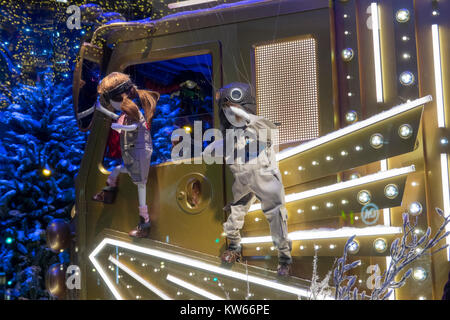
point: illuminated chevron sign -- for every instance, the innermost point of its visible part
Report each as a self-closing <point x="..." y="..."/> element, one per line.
<point x="184" y="275"/>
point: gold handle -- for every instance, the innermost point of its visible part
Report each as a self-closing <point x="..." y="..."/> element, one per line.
<point x="181" y="195"/>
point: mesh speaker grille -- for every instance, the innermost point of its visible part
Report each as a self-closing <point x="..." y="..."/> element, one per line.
<point x="286" y="87"/>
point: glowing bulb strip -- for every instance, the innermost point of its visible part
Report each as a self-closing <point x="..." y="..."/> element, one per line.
<point x="445" y="193"/>
<point x="193" y="288"/>
<point x="342" y="185"/>
<point x="386" y="211"/>
<point x="387" y="223"/>
<point x="441" y="121"/>
<point x="328" y="234"/>
<point x="353" y="128"/>
<point x="102" y="273"/>
<point x="188" y="3"/>
<point x="377" y="51"/>
<point x="141" y="280"/>
<point x="192" y="263"/>
<point x="438" y="76"/>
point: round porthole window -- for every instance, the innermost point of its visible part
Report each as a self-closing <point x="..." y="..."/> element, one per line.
<point x="193" y="193"/>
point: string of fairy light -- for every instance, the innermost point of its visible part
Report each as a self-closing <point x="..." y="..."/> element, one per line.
<point x="35" y="37"/>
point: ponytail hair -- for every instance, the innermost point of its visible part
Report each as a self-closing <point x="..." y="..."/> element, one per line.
<point x="130" y="109"/>
<point x="148" y="101"/>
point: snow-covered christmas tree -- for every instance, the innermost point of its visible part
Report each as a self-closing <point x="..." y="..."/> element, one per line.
<point x="40" y="152"/>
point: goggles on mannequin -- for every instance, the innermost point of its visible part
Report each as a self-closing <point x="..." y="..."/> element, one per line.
<point x="115" y="94"/>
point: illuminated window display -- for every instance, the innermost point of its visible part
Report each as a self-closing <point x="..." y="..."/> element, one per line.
<point x="357" y="92"/>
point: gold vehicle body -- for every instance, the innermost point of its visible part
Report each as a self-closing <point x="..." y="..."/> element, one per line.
<point x="242" y="40"/>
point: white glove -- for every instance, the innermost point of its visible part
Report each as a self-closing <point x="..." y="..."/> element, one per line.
<point x="230" y="114"/>
<point x="240" y="112"/>
<point x="118" y="127"/>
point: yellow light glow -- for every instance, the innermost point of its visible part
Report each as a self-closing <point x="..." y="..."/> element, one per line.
<point x="377" y="51"/>
<point x="441" y="121"/>
<point x="46" y="172"/>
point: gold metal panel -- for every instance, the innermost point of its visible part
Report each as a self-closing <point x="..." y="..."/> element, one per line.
<point x="196" y="231"/>
<point x="332" y="247"/>
<point x="439" y="268"/>
<point x="308" y="214"/>
<point x="315" y="164"/>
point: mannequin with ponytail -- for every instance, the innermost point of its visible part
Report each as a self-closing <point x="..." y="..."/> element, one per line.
<point x="117" y="91"/>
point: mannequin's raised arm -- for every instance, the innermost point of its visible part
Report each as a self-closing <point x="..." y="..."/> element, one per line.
<point x="106" y="111"/>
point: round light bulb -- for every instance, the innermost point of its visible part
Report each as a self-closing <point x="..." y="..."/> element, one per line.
<point x="354" y="176"/>
<point x="415" y="208"/>
<point x="364" y="197"/>
<point x="380" y="245"/>
<point x="376" y="140"/>
<point x="405" y="131"/>
<point x="347" y="54"/>
<point x="353" y="247"/>
<point x="419" y="274"/>
<point x="351" y="116"/>
<point x="391" y="191"/>
<point x="407" y="78"/>
<point x="402" y="15"/>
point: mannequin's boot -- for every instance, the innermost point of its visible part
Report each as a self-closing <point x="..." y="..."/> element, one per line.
<point x="284" y="269"/>
<point x="108" y="193"/>
<point x="143" y="228"/>
<point x="232" y="254"/>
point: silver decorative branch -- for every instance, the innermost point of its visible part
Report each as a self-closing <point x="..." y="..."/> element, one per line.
<point x="319" y="289"/>
<point x="342" y="283"/>
<point x="404" y="251"/>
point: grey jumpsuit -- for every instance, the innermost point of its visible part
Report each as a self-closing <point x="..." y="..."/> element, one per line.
<point x="136" y="147"/>
<point x="259" y="179"/>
